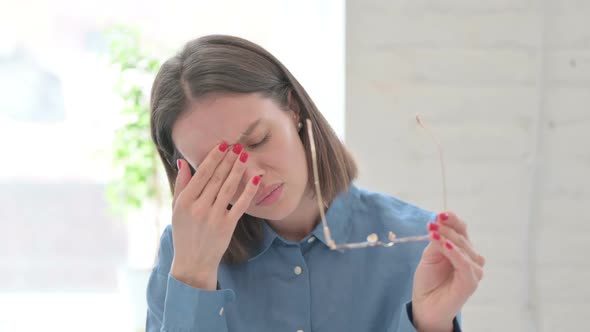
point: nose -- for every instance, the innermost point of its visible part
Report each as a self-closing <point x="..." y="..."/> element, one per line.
<point x="253" y="168"/>
<point x="250" y="173"/>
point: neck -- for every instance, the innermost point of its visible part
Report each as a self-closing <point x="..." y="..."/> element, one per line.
<point x="301" y="222"/>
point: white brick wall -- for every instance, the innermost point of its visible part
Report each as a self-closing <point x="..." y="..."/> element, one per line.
<point x="506" y="86"/>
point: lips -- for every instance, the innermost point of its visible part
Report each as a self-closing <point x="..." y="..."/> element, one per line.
<point x="261" y="195"/>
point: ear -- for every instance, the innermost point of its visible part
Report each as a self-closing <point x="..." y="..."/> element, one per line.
<point x="293" y="105"/>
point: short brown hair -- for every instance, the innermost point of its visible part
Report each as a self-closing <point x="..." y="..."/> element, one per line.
<point x="227" y="64"/>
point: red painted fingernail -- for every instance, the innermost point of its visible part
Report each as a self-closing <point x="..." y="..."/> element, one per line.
<point x="436" y="236"/>
<point x="256" y="180"/>
<point x="449" y="245"/>
<point x="443" y="216"/>
<point x="237" y="148"/>
<point x="178" y="164"/>
<point x="432" y="226"/>
<point x="244" y="157"/>
<point x="223" y="146"/>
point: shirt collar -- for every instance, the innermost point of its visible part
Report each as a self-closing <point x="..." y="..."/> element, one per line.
<point x="338" y="217"/>
<point x="269" y="237"/>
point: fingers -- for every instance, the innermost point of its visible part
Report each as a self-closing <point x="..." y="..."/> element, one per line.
<point x="211" y="190"/>
<point x="450" y="219"/>
<point x="198" y="181"/>
<point x="242" y="204"/>
<point x="460" y="240"/>
<point x="231" y="184"/>
<point x="182" y="179"/>
<point x="470" y="272"/>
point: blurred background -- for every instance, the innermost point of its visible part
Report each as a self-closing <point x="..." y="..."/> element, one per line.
<point x="505" y="85"/>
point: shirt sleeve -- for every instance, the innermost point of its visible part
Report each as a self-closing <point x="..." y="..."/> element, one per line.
<point x="406" y="321"/>
<point x="174" y="306"/>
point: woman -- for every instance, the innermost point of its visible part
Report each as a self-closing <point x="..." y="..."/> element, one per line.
<point x="246" y="250"/>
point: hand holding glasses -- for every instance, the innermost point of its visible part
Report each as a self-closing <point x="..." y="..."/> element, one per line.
<point x="372" y="239"/>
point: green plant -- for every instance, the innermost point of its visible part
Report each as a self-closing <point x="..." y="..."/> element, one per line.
<point x="135" y="162"/>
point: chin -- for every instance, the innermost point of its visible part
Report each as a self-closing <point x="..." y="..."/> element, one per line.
<point x="276" y="211"/>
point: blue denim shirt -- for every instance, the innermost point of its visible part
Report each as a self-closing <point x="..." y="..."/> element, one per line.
<point x="305" y="286"/>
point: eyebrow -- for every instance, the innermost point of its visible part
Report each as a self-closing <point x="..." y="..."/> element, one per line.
<point x="248" y="130"/>
<point x="246" y="133"/>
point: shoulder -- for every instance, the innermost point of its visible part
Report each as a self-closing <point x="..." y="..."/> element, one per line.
<point x="380" y="213"/>
<point x="388" y="213"/>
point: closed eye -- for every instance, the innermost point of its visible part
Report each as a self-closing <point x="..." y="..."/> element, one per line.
<point x="260" y="143"/>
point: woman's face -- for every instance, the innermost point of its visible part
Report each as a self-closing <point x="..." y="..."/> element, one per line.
<point x="273" y="145"/>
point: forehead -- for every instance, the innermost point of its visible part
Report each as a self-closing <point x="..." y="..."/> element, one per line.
<point x="217" y="118"/>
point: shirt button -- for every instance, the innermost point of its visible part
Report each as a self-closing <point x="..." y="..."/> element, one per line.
<point x="221" y="312"/>
<point x="311" y="239"/>
<point x="297" y="270"/>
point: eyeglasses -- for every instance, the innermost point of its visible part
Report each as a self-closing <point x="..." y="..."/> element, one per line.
<point x="372" y="239"/>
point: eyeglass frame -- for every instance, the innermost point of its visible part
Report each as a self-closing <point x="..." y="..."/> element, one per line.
<point x="372" y="239"/>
